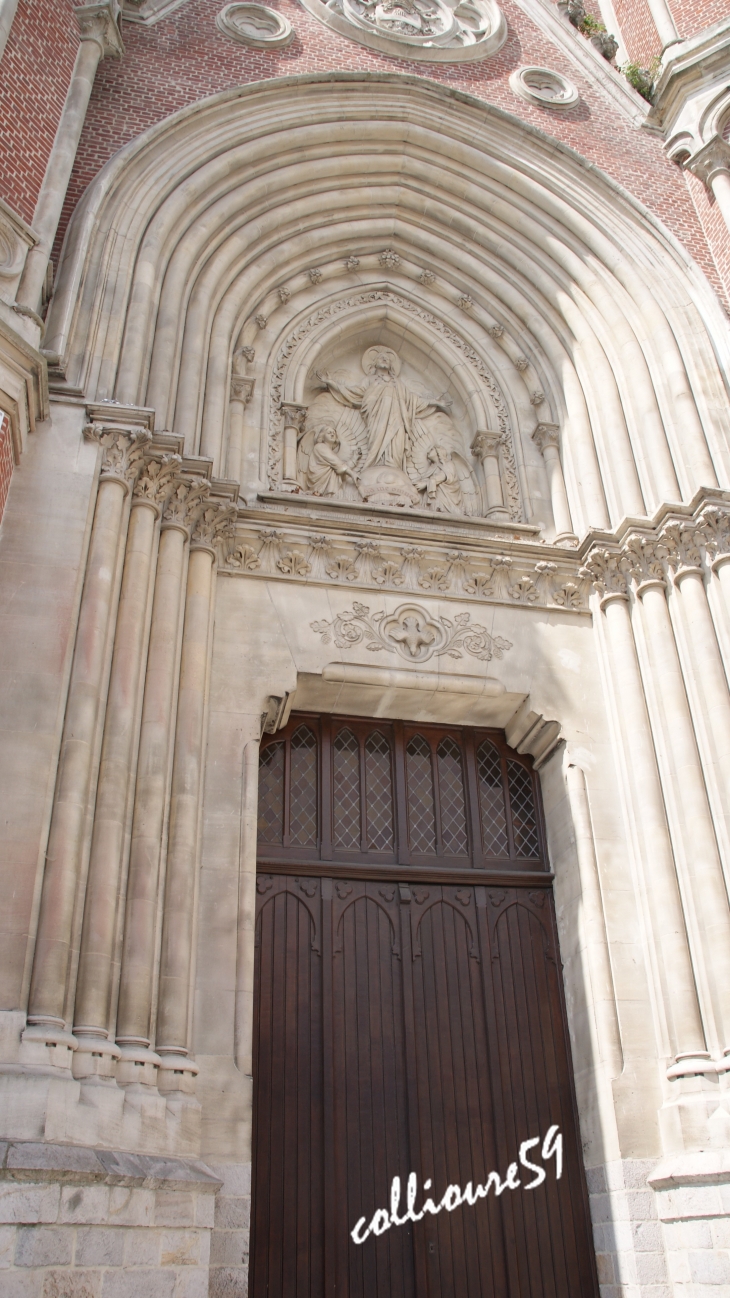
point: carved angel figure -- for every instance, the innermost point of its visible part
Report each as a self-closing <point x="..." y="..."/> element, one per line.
<point x="327" y="474"/>
<point x="442" y="487"/>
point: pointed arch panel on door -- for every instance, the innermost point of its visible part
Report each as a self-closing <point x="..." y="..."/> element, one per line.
<point x="409" y="1019"/>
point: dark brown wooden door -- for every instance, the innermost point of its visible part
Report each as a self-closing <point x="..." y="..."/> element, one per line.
<point x="408" y="1022"/>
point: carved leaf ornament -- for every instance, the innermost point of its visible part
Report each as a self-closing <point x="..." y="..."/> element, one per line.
<point x="412" y="632"/>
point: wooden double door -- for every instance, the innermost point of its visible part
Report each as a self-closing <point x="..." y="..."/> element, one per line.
<point x="409" y="1024"/>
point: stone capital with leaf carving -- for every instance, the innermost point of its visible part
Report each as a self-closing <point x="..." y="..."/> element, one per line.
<point x="605" y="570"/>
<point x="156" y="481"/>
<point x="123" y="451"/>
<point x="99" y="23"/>
<point x="546" y="436"/>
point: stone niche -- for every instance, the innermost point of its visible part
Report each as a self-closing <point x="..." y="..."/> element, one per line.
<point x="386" y="421"/>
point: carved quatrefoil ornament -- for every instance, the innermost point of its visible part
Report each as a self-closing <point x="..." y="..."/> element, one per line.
<point x="255" y="25"/>
<point x="544" y="87"/>
<point x="412" y="632"/>
<point x="429" y="30"/>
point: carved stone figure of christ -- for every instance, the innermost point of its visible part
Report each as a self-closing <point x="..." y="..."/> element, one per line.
<point x="389" y="408"/>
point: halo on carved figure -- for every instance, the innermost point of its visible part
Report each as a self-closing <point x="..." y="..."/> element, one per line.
<point x="447" y="31"/>
<point x="544" y="87"/>
<point x="372" y="355"/>
<point x="255" y="25"/>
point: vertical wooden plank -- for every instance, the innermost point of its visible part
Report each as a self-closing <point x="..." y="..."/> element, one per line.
<point x="471" y="789"/>
<point x="331" y="1116"/>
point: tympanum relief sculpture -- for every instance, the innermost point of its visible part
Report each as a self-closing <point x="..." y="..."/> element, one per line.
<point x="435" y="30"/>
<point x="381" y="441"/>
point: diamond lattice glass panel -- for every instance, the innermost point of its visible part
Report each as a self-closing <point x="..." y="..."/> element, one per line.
<point x="451" y="791"/>
<point x="379" y="792"/>
<point x="522" y="805"/>
<point x="303" y="791"/>
<point x="271" y="794"/>
<point x="491" y="801"/>
<point x="421" y="818"/>
<point x="347" y="790"/>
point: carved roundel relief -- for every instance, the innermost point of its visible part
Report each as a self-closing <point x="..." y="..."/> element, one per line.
<point x="544" y="87"/>
<point x="255" y="25"/>
<point x="428" y="30"/>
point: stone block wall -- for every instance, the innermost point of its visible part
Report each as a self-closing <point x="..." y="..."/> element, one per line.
<point x="229" y="1246"/>
<point x="76" y="1223"/>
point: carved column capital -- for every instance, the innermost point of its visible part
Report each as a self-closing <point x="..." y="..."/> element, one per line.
<point x="645" y="560"/>
<point x="214" y="523"/>
<point x="123" y="451"/>
<point x="682" y="542"/>
<point x="546" y="436"/>
<point x="99" y="23"/>
<point x="185" y="502"/>
<point x="712" y="158"/>
<point x="293" y="415"/>
<point x="241" y="388"/>
<point x="156" y="481"/>
<point x="486" y="445"/>
<point x="714" y="523"/>
<point x="606" y="573"/>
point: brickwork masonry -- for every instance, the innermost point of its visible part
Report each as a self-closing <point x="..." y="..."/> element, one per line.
<point x="186" y="58"/>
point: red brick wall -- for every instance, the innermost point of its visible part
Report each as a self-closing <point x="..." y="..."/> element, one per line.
<point x="185" y="57"/>
<point x="638" y="31"/>
<point x="6" y="459"/>
<point x="691" y="16"/>
<point x="35" y="73"/>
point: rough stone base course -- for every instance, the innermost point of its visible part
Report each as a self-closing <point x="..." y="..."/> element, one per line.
<point x="81" y="1223"/>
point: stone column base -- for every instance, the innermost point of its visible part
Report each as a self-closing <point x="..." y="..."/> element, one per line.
<point x="693" y="1203"/>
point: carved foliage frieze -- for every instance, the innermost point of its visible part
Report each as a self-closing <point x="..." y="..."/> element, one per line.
<point x="386" y="565"/>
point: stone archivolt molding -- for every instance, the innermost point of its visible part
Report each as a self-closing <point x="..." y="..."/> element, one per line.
<point x="425" y="30"/>
<point x="301" y="555"/>
<point x="16" y="241"/>
<point x="544" y="87"/>
<point x="255" y="25"/>
<point x="387" y="297"/>
<point x="533" y="220"/>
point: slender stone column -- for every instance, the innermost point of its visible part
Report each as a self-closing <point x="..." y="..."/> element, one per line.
<point x="99" y="36"/>
<point x="712" y="165"/>
<point x="547" y="439"/>
<point x="681" y="1006"/>
<point x="176" y="1071"/>
<point x="604" y="996"/>
<point x="715" y="525"/>
<point x="134" y="1010"/>
<point x="664" y="22"/>
<point x="293" y="417"/>
<point x="247" y="909"/>
<point x="95" y="1055"/>
<point x="682" y="541"/>
<point x="485" y="448"/>
<point x="241" y="392"/>
<point x="8" y="9"/>
<point x="683" y="761"/>
<point x="123" y="455"/>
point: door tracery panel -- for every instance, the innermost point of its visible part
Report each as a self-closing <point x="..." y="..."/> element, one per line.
<point x="409" y="1019"/>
